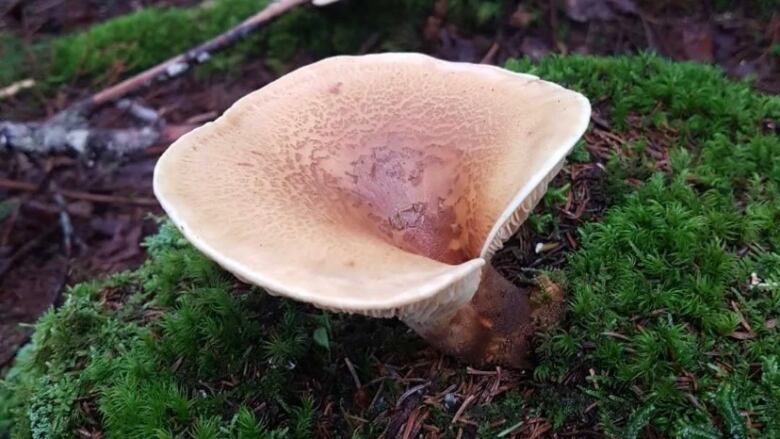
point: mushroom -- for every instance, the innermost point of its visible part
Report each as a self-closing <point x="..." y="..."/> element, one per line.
<point x="380" y="185"/>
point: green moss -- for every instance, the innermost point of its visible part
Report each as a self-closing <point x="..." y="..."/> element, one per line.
<point x="158" y="367"/>
<point x="655" y="289"/>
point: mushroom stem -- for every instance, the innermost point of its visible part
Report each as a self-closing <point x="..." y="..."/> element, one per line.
<point x="495" y="327"/>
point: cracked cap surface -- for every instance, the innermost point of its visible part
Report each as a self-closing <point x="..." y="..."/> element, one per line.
<point x="377" y="184"/>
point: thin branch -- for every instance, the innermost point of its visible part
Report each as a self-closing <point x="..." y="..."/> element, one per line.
<point x="66" y="225"/>
<point x="181" y="63"/>
<point x="69" y="130"/>
<point x="491" y="53"/>
<point x="69" y="236"/>
<point x="78" y="195"/>
<point x="141" y="113"/>
<point x="353" y="372"/>
<point x="71" y="133"/>
<point x="15" y="88"/>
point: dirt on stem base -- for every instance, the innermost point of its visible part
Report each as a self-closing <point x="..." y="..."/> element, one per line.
<point x="497" y="326"/>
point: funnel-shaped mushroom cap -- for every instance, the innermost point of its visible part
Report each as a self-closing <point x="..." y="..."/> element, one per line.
<point x="376" y="184"/>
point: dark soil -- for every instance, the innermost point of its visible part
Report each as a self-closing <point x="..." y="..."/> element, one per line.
<point x="50" y="239"/>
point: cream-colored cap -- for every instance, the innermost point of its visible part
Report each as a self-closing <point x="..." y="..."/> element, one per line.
<point x="376" y="184"/>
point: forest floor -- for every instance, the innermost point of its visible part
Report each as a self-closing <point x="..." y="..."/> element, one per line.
<point x="110" y="204"/>
<point x="35" y="266"/>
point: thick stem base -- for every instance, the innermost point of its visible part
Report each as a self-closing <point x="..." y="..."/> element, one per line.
<point x="496" y="326"/>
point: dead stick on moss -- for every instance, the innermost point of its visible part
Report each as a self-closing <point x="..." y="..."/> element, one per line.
<point x="491" y="53"/>
<point x="181" y="63"/>
<point x="462" y="408"/>
<point x="66" y="225"/>
<point x="353" y="372"/>
<point x="68" y="130"/>
<point x="69" y="236"/>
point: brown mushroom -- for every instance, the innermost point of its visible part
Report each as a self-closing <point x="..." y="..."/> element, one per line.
<point x="380" y="185"/>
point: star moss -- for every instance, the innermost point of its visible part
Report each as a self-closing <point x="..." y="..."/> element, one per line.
<point x="674" y="295"/>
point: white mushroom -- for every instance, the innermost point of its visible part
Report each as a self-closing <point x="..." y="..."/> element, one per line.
<point x="380" y="185"/>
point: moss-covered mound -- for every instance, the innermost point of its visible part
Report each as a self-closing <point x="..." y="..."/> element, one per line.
<point x="671" y="327"/>
<point x="675" y="295"/>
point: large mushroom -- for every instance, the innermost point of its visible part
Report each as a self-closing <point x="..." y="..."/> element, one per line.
<point x="380" y="185"/>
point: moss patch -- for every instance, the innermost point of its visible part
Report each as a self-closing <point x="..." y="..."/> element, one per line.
<point x="664" y="322"/>
<point x="667" y="330"/>
<point x="171" y="350"/>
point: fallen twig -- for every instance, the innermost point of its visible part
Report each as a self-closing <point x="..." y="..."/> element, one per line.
<point x="79" y="195"/>
<point x="491" y="54"/>
<point x="65" y="224"/>
<point x="179" y="64"/>
<point x="69" y="236"/>
<point x="138" y="111"/>
<point x="462" y="408"/>
<point x="69" y="130"/>
<point x="15" y="88"/>
<point x="353" y="373"/>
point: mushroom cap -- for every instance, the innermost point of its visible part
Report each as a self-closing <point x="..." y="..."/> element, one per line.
<point x="376" y="184"/>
